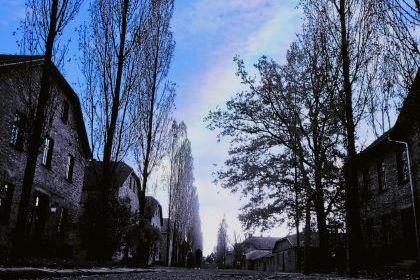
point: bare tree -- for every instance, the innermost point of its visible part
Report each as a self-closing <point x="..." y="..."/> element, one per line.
<point x="361" y="33"/>
<point x="155" y="97"/>
<point x="184" y="219"/>
<point x="44" y="23"/>
<point x="238" y="250"/>
<point x="110" y="60"/>
<point x="284" y="152"/>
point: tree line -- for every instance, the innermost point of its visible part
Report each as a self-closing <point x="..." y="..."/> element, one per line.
<point x="297" y="127"/>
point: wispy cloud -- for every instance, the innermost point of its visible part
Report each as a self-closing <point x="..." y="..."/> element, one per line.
<point x="208" y="34"/>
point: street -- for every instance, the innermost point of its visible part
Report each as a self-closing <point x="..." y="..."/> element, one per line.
<point x="202" y="274"/>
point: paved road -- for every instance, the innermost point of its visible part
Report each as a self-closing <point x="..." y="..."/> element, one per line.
<point x="203" y="274"/>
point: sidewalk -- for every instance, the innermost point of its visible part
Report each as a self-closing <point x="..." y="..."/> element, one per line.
<point x="36" y="272"/>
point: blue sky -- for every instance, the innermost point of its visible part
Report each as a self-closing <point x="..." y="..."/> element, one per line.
<point x="208" y="34"/>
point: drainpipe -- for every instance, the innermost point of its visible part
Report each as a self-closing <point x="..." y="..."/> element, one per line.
<point x="413" y="197"/>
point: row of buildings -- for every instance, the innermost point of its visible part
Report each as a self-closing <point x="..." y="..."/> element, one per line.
<point x="65" y="175"/>
<point x="388" y="182"/>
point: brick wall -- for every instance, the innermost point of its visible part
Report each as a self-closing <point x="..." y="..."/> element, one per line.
<point x="50" y="182"/>
<point x="387" y="214"/>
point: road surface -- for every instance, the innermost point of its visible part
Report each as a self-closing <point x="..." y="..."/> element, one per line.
<point x="203" y="274"/>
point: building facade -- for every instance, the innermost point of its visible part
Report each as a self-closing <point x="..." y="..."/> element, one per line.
<point x="126" y="184"/>
<point x="257" y="252"/>
<point x="125" y="180"/>
<point x="58" y="181"/>
<point x="154" y="214"/>
<point x="389" y="188"/>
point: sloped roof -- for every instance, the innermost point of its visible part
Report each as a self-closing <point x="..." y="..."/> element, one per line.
<point x="292" y="240"/>
<point x="94" y="171"/>
<point x="7" y="61"/>
<point x="257" y="254"/>
<point x="410" y="112"/>
<point x="152" y="204"/>
<point x="261" y="243"/>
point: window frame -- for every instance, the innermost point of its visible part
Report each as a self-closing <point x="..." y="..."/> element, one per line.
<point x="65" y="112"/>
<point x="16" y="131"/>
<point x="70" y="168"/>
<point x="62" y="221"/>
<point x="8" y="202"/>
<point x="381" y="172"/>
<point x="402" y="166"/>
<point x="47" y="152"/>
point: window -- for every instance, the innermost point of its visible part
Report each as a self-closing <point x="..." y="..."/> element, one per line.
<point x="65" y="112"/>
<point x="62" y="221"/>
<point x="369" y="232"/>
<point x="382" y="185"/>
<point x="6" y="196"/>
<point x="363" y="182"/>
<point x="402" y="166"/>
<point x="69" y="168"/>
<point x="47" y="152"/>
<point x="387" y="230"/>
<point x="16" y="135"/>
<point x="134" y="185"/>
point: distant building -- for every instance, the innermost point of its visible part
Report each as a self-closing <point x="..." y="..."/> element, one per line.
<point x="258" y="252"/>
<point x="288" y="253"/>
<point x="58" y="181"/>
<point x="389" y="186"/>
<point x="259" y="260"/>
<point x="154" y="214"/>
<point x="127" y="183"/>
<point x="259" y="243"/>
<point x="125" y="180"/>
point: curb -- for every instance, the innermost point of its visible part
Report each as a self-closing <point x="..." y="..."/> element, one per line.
<point x="31" y="273"/>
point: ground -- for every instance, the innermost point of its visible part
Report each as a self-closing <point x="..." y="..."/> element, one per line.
<point x="202" y="274"/>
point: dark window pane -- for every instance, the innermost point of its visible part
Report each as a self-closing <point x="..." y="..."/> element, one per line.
<point x="382" y="184"/>
<point x="402" y="166"/>
<point x="69" y="168"/>
<point x="47" y="152"/>
<point x="65" y="112"/>
<point x="6" y="196"/>
<point x="16" y="133"/>
<point x="62" y="221"/>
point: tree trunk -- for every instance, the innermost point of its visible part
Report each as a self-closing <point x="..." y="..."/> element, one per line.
<point x="35" y="137"/>
<point x="352" y="205"/>
<point x="297" y="215"/>
<point x="321" y="219"/>
<point x="150" y="126"/>
<point x="107" y="178"/>
<point x="307" y="245"/>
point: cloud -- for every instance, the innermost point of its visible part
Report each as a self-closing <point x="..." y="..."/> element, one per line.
<point x="209" y="33"/>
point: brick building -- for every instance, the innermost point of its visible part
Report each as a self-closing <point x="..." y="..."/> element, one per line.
<point x="125" y="179"/>
<point x="257" y="251"/>
<point x="389" y="188"/>
<point x="57" y="188"/>
<point x="126" y="183"/>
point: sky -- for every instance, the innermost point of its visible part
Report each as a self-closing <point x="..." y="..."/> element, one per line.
<point x="208" y="34"/>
